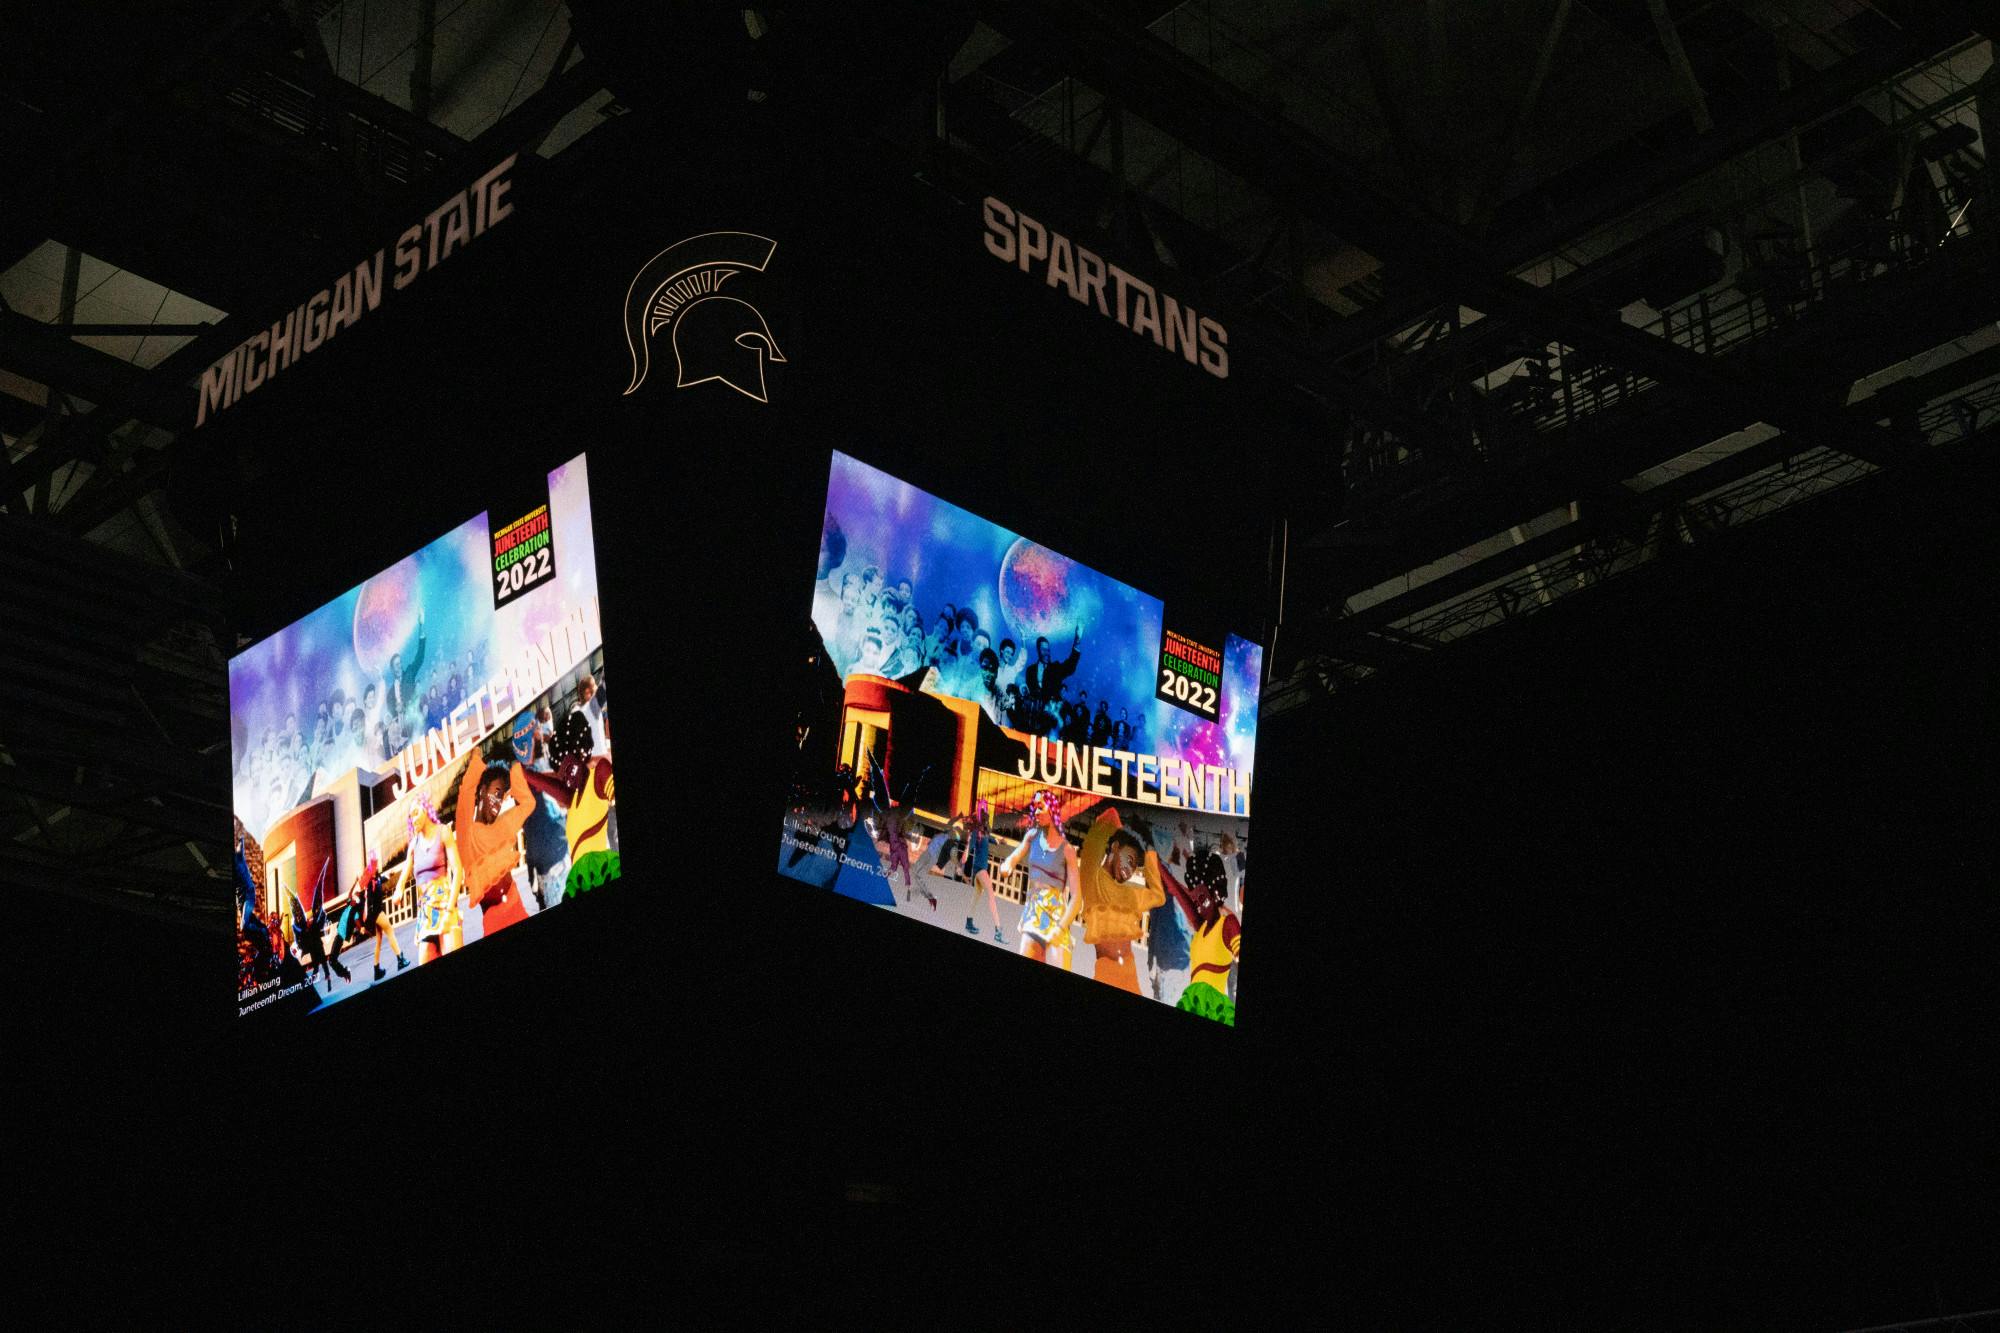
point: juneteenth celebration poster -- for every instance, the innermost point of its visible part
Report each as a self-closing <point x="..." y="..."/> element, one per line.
<point x="1011" y="746"/>
<point x="425" y="760"/>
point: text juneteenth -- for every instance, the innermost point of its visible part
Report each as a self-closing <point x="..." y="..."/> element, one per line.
<point x="1145" y="778"/>
<point x="541" y="663"/>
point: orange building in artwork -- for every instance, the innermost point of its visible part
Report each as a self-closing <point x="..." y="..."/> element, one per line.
<point x="295" y="849"/>
<point x="916" y="732"/>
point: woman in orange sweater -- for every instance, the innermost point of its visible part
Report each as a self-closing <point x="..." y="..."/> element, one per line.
<point x="488" y="840"/>
<point x="1114" y="912"/>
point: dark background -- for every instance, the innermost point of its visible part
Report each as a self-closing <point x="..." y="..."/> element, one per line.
<point x="1633" y="965"/>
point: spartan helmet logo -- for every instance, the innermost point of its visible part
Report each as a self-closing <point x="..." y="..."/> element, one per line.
<point x="715" y="337"/>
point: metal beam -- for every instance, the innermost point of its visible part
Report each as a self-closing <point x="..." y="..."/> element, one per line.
<point x="71" y="330"/>
<point x="90" y="117"/>
<point x="1530" y="550"/>
<point x="1677" y="56"/>
<point x="65" y="311"/>
<point x="1488" y="197"/>
<point x="1659" y="175"/>
<point x="1938" y="27"/>
<point x="420" y="68"/>
<point x="1213" y="116"/>
<point x="195" y="897"/>
<point x="123" y="588"/>
<point x="1329" y="636"/>
<point x="1383" y="83"/>
<point x="111" y="490"/>
<point x="134" y="802"/>
<point x="355" y="103"/>
<point x="161" y="398"/>
<point x="1558" y="467"/>
<point x="43" y="353"/>
<point x="529" y="123"/>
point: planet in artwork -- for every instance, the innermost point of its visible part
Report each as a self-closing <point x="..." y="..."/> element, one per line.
<point x="385" y="615"/>
<point x="538" y="613"/>
<point x="1036" y="588"/>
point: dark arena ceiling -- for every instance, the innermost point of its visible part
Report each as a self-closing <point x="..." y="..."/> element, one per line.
<point x="1564" y="284"/>
<point x="1560" y="289"/>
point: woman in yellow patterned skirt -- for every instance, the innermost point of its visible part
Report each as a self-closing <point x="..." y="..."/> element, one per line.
<point x="1050" y="903"/>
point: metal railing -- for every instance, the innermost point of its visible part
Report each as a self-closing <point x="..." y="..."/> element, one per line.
<point x="1807" y="475"/>
<point x="1773" y="291"/>
<point x="1012" y="886"/>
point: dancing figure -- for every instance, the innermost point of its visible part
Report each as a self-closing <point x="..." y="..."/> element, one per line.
<point x="255" y="959"/>
<point x="582" y="785"/>
<point x="895" y="828"/>
<point x="950" y="858"/>
<point x="309" y="929"/>
<point x="431" y="866"/>
<point x="371" y="913"/>
<point x="488" y="839"/>
<point x="1114" y="912"/>
<point x="1050" y="904"/>
<point x="1217" y="935"/>
<point x="976" y="863"/>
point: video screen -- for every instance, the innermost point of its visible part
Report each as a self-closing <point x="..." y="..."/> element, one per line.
<point x="1004" y="743"/>
<point x="425" y="760"/>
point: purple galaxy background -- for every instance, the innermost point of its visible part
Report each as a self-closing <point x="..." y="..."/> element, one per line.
<point x="1016" y="589"/>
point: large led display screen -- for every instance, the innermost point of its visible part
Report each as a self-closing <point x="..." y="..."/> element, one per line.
<point x="1009" y="745"/>
<point x="425" y="760"/>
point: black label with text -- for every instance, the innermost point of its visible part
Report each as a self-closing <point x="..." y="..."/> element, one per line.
<point x="1190" y="675"/>
<point x="523" y="546"/>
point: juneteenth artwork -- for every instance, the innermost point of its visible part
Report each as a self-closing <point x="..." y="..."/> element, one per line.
<point x="1003" y="742"/>
<point x="426" y="759"/>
